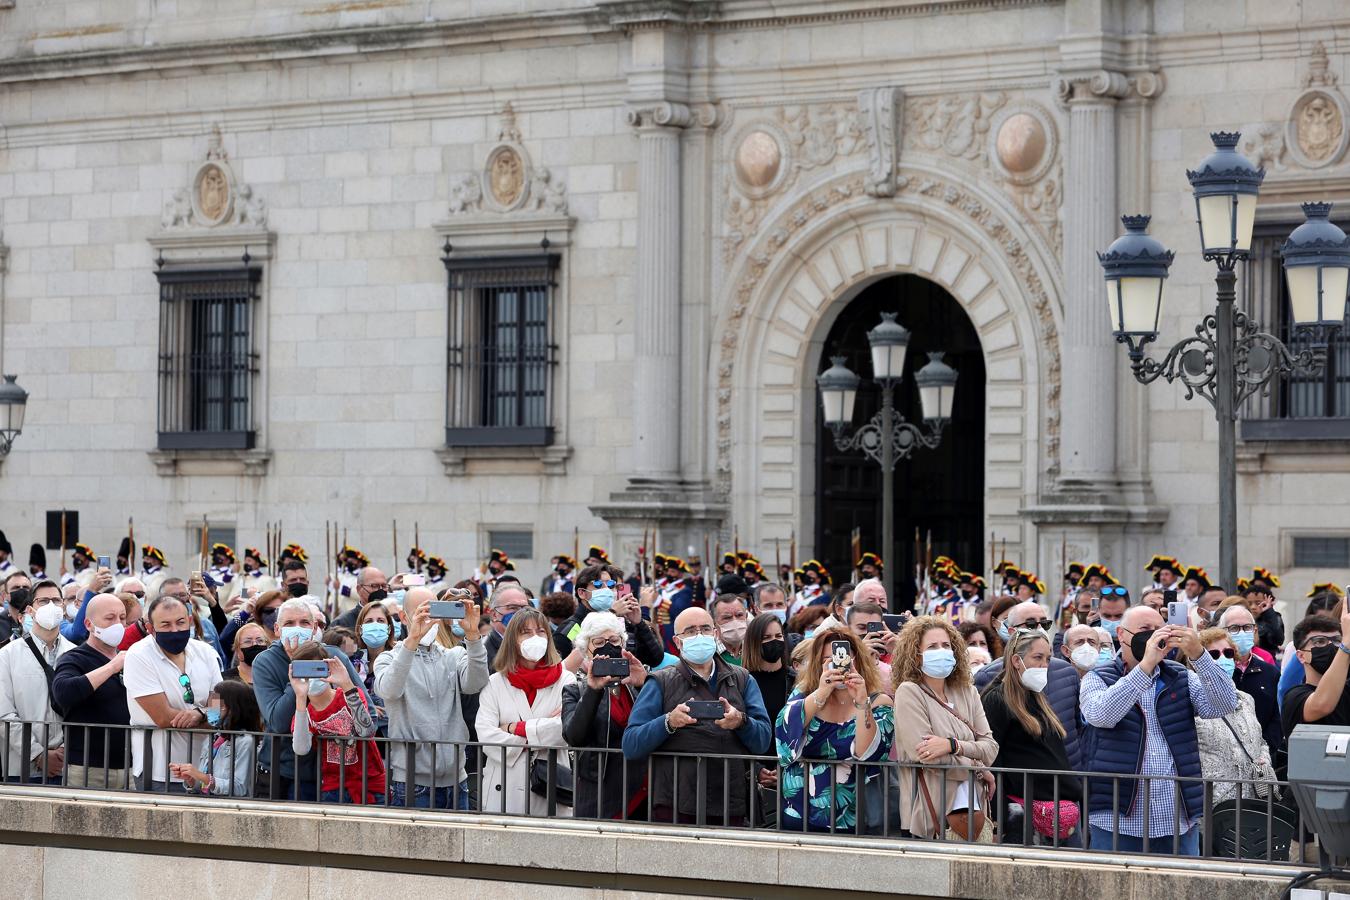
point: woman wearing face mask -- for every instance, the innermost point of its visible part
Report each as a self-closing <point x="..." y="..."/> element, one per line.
<point x="228" y="761"/>
<point x="939" y="722"/>
<point x="1030" y="736"/>
<point x="977" y="635"/>
<point x="258" y="608"/>
<point x="764" y="656"/>
<point x="595" y="712"/>
<point x="249" y="642"/>
<point x="998" y="615"/>
<point x="520" y="715"/>
<point x="1232" y="747"/>
<point x="351" y="768"/>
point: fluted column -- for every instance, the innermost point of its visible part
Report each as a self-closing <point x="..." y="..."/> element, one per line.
<point x="658" y="400"/>
<point x="1088" y="459"/>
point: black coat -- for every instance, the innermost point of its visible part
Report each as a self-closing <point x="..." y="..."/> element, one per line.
<point x="1262" y="682"/>
<point x="598" y="778"/>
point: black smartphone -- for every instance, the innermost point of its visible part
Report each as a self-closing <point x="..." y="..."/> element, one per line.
<point x="1169" y="596"/>
<point x="446" y="609"/>
<point x="309" y="668"/>
<point x="705" y="710"/>
<point x="611" y="667"/>
<point x="894" y="621"/>
<point x="105" y="563"/>
<point x="873" y="627"/>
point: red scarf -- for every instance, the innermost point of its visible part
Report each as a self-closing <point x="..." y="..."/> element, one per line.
<point x="531" y="680"/>
<point x="620" y="705"/>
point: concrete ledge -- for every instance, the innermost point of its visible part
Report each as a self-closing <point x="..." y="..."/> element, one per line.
<point x="298" y="850"/>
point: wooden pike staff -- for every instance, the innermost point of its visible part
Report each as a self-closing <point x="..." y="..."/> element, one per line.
<point x="918" y="570"/>
<point x="777" y="562"/>
<point x="417" y="543"/>
<point x="131" y="539"/>
<point x="928" y="563"/>
<point x="205" y="537"/>
<point x="576" y="544"/>
<point x="63" y="541"/>
<point x="642" y="558"/>
<point x="395" y="569"/>
<point x="792" y="548"/>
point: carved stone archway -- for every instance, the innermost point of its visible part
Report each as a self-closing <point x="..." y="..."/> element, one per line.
<point x="807" y="264"/>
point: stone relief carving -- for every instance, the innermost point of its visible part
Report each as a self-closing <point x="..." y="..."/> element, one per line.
<point x="214" y="198"/>
<point x="955" y="125"/>
<point x="1315" y="132"/>
<point x="1264" y="145"/>
<point x="820" y="202"/>
<point x="880" y="109"/>
<point x="507" y="183"/>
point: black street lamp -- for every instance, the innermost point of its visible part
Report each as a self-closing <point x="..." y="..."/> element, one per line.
<point x="887" y="437"/>
<point x="1230" y="358"/>
<point x="13" y="402"/>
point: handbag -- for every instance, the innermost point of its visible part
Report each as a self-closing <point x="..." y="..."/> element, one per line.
<point x="1261" y="788"/>
<point x="968" y="823"/>
<point x="562" y="781"/>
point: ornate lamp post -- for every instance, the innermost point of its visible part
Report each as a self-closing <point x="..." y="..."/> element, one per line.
<point x="1230" y="358"/>
<point x="13" y="402"/>
<point x="887" y="437"/>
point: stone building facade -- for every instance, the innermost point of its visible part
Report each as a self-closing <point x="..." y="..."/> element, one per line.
<point x="706" y="187"/>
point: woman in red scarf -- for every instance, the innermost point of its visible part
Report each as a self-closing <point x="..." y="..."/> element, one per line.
<point x="595" y="714"/>
<point x="521" y="710"/>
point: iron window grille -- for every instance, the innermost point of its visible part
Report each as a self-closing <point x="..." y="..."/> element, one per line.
<point x="208" y="360"/>
<point x="501" y="354"/>
<point x="1303" y="405"/>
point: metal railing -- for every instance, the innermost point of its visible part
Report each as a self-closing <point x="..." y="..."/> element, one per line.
<point x="1261" y="824"/>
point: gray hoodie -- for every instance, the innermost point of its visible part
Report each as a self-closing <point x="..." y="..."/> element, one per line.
<point x="421" y="692"/>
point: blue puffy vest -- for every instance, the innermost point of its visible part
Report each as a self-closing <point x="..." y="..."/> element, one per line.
<point x="1120" y="750"/>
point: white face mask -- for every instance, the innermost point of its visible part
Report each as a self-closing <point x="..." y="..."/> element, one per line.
<point x="1034" y="679"/>
<point x="429" y="638"/>
<point x="1084" y="656"/>
<point x="48" y="617"/>
<point x="112" y="635"/>
<point x="72" y="610"/>
<point x="534" y="647"/>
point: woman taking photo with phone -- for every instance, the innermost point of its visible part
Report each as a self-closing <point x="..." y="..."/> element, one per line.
<point x="838" y="711"/>
<point x="520" y="711"/>
<point x="940" y="722"/>
<point x="595" y="713"/>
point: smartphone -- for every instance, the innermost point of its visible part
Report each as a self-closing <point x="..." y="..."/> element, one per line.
<point x="197" y="575"/>
<point x="893" y="621"/>
<point x="414" y="579"/>
<point x="624" y="590"/>
<point x="1169" y="596"/>
<point x="611" y="667"/>
<point x="874" y="627"/>
<point x="446" y="609"/>
<point x="841" y="656"/>
<point x="705" y="710"/>
<point x="309" y="668"/>
<point x="105" y="563"/>
<point x="1178" y="613"/>
<point x="1096" y="602"/>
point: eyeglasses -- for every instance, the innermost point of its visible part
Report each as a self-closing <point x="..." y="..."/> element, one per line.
<point x="186" y="682"/>
<point x="1317" y="642"/>
<point x="378" y="587"/>
<point x="615" y="641"/>
<point x="1225" y="652"/>
<point x="1239" y="629"/>
<point x="1112" y="591"/>
<point x="139" y="595"/>
<point x="600" y="583"/>
<point x="706" y="630"/>
<point x="1034" y="624"/>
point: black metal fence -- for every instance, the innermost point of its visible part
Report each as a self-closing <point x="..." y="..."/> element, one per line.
<point x="1257" y="823"/>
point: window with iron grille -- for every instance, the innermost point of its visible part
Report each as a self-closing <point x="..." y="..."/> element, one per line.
<point x="1311" y="406"/>
<point x="208" y="362"/>
<point x="515" y="544"/>
<point x="501" y="355"/>
<point x="1321" y="552"/>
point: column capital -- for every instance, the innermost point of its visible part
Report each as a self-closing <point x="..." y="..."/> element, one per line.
<point x="1105" y="86"/>
<point x="662" y="114"/>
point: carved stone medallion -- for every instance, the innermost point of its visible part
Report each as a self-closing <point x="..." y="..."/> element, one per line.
<point x="1020" y="143"/>
<point x="1319" y="128"/>
<point x="759" y="158"/>
<point x="506" y="176"/>
<point x="213" y="194"/>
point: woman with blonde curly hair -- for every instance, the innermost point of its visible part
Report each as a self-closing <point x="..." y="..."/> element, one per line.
<point x="939" y="721"/>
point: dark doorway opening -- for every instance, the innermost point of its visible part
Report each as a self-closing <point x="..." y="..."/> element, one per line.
<point x="940" y="490"/>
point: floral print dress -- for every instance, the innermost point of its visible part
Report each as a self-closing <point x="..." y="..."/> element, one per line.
<point x="806" y="786"/>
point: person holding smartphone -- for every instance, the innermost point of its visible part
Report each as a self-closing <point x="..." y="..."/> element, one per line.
<point x="602" y="589"/>
<point x="330" y="706"/>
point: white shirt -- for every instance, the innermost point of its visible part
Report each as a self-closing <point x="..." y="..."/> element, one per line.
<point x="147" y="671"/>
<point x="24" y="698"/>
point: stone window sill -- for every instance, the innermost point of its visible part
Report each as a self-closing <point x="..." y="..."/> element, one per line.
<point x="458" y="461"/>
<point x="169" y="463"/>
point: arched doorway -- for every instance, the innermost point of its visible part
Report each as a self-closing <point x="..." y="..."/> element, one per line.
<point x="941" y="490"/>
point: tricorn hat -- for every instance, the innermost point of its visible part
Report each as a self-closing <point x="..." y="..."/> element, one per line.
<point x="37" y="557"/>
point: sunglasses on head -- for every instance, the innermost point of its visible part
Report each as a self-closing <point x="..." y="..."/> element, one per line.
<point x="1225" y="652"/>
<point x="1113" y="591"/>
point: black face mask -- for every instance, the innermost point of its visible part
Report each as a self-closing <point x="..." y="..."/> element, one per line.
<point x="252" y="653"/>
<point x="609" y="650"/>
<point x="19" y="598"/>
<point x="772" y="651"/>
<point x="1321" y="658"/>
<point x="1139" y="644"/>
<point x="298" y="589"/>
<point x="377" y="595"/>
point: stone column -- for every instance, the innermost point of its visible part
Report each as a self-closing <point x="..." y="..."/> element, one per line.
<point x="696" y="287"/>
<point x="658" y="414"/>
<point x="1088" y="458"/>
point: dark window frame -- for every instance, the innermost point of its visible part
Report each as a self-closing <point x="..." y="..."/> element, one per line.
<point x="1290" y="410"/>
<point x="501" y="356"/>
<point x="208" y="357"/>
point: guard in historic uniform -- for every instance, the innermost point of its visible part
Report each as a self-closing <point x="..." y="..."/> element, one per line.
<point x="123" y="560"/>
<point x="154" y="571"/>
<point x="437" y="582"/>
<point x="870" y="565"/>
<point x="417" y="560"/>
<point x="37" y="563"/>
<point x="1097" y="576"/>
<point x="292" y="551"/>
<point x="697" y="581"/>
<point x="675" y="596"/>
<point x="252" y="576"/>
<point x="1167" y="573"/>
<point x="1029" y="587"/>
<point x="1006" y="571"/>
<point x="224" y="565"/>
<point x="812" y="589"/>
<point x="486" y="576"/>
<point x="563" y="578"/>
<point x="596" y="556"/>
<point x="7" y="566"/>
<point x="350" y="563"/>
<point x="1195" y="582"/>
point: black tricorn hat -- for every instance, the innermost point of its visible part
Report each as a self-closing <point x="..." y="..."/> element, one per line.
<point x="37" y="557"/>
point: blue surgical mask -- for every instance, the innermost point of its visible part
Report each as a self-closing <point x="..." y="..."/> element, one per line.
<point x="296" y="633"/>
<point x="1003" y="633"/>
<point x="698" y="649"/>
<point x="27" y="623"/>
<point x="398" y="630"/>
<point x="810" y="633"/>
<point x="779" y="614"/>
<point x="938" y="663"/>
<point x="602" y="599"/>
<point x="1243" y="643"/>
<point x="1111" y="625"/>
<point x="213" y="717"/>
<point x="506" y="619"/>
<point x="399" y="595"/>
<point x="456" y="630"/>
<point x="1227" y="664"/>
<point x="1105" y="657"/>
<point x="375" y="634"/>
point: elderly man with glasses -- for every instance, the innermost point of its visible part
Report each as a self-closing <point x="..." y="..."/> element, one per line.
<point x="1253" y="675"/>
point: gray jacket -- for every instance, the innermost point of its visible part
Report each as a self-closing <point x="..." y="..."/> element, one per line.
<point x="422" y="696"/>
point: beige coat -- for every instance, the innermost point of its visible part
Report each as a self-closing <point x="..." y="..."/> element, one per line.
<point x="918" y="715"/>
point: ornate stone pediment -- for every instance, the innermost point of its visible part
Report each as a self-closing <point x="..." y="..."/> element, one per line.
<point x="508" y="182"/>
<point x="214" y="197"/>
<point x="1316" y="132"/>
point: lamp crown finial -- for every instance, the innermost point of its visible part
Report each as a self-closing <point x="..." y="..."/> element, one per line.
<point x="1317" y="210"/>
<point x="1225" y="140"/>
<point x="1136" y="224"/>
<point x="838" y="360"/>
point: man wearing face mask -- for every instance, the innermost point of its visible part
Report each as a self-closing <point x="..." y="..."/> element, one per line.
<point x="26" y="667"/>
<point x="371" y="587"/>
<point x="1140" y="712"/>
<point x="1323" y="646"/>
<point x="168" y="677"/>
<point x="660" y="722"/>
<point x="86" y="688"/>
<point x="1252" y="675"/>
<point x="294" y="578"/>
<point x="732" y="618"/>
<point x="1083" y="647"/>
<point x="18" y="592"/>
<point x="1061" y="689"/>
<point x="597" y="590"/>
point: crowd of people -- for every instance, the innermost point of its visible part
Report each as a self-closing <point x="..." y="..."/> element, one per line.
<point x="1100" y="720"/>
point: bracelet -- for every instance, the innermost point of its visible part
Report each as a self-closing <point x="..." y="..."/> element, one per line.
<point x="669" y="730"/>
<point x="1344" y="649"/>
<point x="864" y="705"/>
<point x="820" y="704"/>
